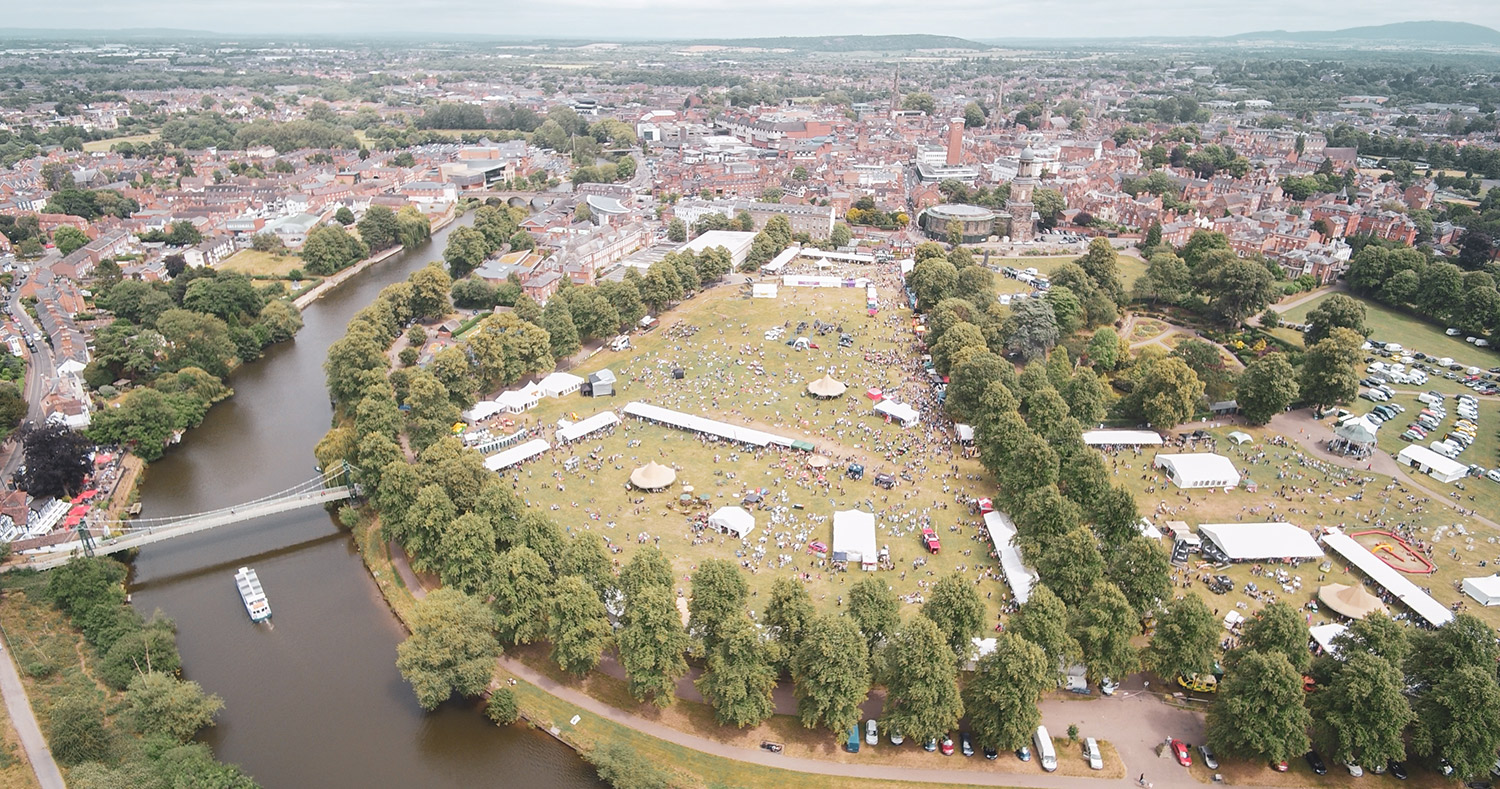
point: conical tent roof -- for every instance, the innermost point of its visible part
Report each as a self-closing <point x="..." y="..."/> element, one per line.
<point x="818" y="461"/>
<point x="653" y="476"/>
<point x="1351" y="601"/>
<point x="826" y="387"/>
<point x="1357" y="431"/>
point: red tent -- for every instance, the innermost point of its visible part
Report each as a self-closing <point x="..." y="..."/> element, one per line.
<point x="875" y="394"/>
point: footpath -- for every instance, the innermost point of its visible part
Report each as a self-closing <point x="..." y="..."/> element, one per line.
<point x="48" y="776"/>
<point x="339" y="278"/>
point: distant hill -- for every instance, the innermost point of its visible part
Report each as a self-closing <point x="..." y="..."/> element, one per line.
<point x="844" y="43"/>
<point x="1433" y="32"/>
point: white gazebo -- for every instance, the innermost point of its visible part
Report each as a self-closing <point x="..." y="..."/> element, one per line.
<point x="1355" y="437"/>
<point x="732" y="520"/>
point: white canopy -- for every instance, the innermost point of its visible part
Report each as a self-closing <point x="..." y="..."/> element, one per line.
<point x="1121" y="438"/>
<point x="516" y="454"/>
<point x="582" y="428"/>
<point x="732" y="520"/>
<point x="1243" y="542"/>
<point x="560" y="384"/>
<point x="699" y="424"/>
<point x="1199" y="470"/>
<point x="1485" y="590"/>
<point x="1239" y="438"/>
<point x="900" y="412"/>
<point x="854" y="538"/>
<point x="1325" y="634"/>
<point x="516" y="401"/>
<point x="965" y="432"/>
<point x="482" y="410"/>
<point x="1391" y="579"/>
<point x="1018" y="576"/>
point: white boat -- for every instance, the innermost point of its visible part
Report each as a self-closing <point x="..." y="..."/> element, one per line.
<point x="250" y="592"/>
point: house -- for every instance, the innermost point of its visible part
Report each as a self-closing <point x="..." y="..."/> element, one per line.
<point x="210" y="253"/>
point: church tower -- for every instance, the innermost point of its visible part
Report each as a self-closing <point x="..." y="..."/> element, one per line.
<point x="1019" y="206"/>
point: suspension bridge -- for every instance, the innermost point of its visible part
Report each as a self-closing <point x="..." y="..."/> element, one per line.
<point x="98" y="536"/>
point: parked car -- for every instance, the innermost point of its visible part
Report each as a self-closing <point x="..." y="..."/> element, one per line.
<point x="991" y="753"/>
<point x="1208" y="757"/>
<point x="896" y="738"/>
<point x="1091" y="753"/>
<point x="1108" y="686"/>
<point x="1316" y="763"/>
<point x="1279" y="767"/>
<point x="1181" y="754"/>
<point x="872" y="733"/>
<point x="1024" y="753"/>
<point x="965" y="744"/>
<point x="946" y="746"/>
<point x="930" y="745"/>
<point x="1397" y="770"/>
<point x="1355" y="771"/>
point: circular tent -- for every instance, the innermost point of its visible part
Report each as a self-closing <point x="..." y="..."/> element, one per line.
<point x="826" y="387"/>
<point x="818" y="461"/>
<point x="1351" y="601"/>
<point x="653" y="476"/>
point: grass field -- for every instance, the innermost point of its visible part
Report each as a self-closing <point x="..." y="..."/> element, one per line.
<point x="252" y="262"/>
<point x="96" y="146"/>
<point x="1130" y="269"/>
<point x="1413" y="333"/>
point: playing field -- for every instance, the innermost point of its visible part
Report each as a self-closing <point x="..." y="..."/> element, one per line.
<point x="1414" y="334"/>
<point x="96" y="146"/>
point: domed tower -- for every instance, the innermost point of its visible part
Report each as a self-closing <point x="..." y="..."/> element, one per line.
<point x="1022" y="226"/>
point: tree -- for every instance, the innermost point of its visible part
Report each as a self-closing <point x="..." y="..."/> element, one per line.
<point x="1104" y="350"/>
<point x="158" y="703"/>
<point x="1328" y="369"/>
<point x="719" y="591"/>
<point x="467" y="248"/>
<point x="1166" y="391"/>
<point x="430" y="286"/>
<point x="1277" y="628"/>
<point x="875" y="609"/>
<point x="1049" y="204"/>
<point x="1140" y="568"/>
<point x="69" y="239"/>
<point x="922" y="698"/>
<point x="1002" y="696"/>
<point x="1464" y="642"/>
<point x="12" y="406"/>
<point x="1458" y="719"/>
<point x="788" y="613"/>
<point x="578" y="626"/>
<point x="75" y="729"/>
<point x="1376" y="634"/>
<point x="1260" y="712"/>
<point x="344" y="216"/>
<point x="152" y="647"/>
<point x="1087" y="398"/>
<point x="919" y="102"/>
<point x="677" y="231"/>
<point x="521" y="593"/>
<point x="648" y="567"/>
<point x="652" y="644"/>
<point x="587" y="557"/>
<point x="1043" y="620"/>
<point x="57" y="461"/>
<point x="954" y="606"/>
<point x="330" y="248"/>
<point x="1167" y="278"/>
<point x="831" y="673"/>
<point x="974" y="115"/>
<point x="1336" y="311"/>
<point x="1361" y="716"/>
<point x="562" y="334"/>
<point x="1103" y="625"/>
<point x="451" y="649"/>
<point x="1237" y="288"/>
<point x="740" y="675"/>
<point x="1266" y="388"/>
<point x="1071" y="564"/>
<point x="1186" y="639"/>
<point x="1031" y="329"/>
<point x="621" y="766"/>
<point x="956" y="343"/>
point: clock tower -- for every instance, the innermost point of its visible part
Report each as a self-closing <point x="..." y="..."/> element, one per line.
<point x="1019" y="205"/>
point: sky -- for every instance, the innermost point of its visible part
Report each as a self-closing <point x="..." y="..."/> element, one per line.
<point x="659" y="19"/>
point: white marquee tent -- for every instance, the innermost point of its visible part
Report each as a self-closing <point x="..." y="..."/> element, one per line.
<point x="1122" y="438"/>
<point x="732" y="520"/>
<point x="1325" y="634"/>
<point x="1435" y="465"/>
<point x="1199" y="470"/>
<point x="699" y="424"/>
<point x="516" y="454"/>
<point x="481" y="411"/>
<point x="560" y="384"/>
<point x="584" y="427"/>
<point x="854" y="538"/>
<point x="1247" y="542"/>
<point x="900" y="412"/>
<point x="1485" y="590"/>
<point x="1018" y="576"/>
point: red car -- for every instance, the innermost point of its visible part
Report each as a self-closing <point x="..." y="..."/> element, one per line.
<point x="930" y="540"/>
<point x="1180" y="751"/>
<point x="1279" y="767"/>
<point x="947" y="745"/>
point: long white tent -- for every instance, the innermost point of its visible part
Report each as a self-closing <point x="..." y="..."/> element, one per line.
<point x="584" y="427"/>
<point x="1438" y="467"/>
<point x="1122" y="438"/>
<point x="900" y="412"/>
<point x="1199" y="470"/>
<point x="1003" y="534"/>
<point x="1391" y="579"/>
<point x="516" y="454"/>
<point x="699" y="424"/>
<point x="1248" y="542"/>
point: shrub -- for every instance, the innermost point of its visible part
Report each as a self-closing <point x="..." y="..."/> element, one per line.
<point x="75" y="729"/>
<point x="502" y="707"/>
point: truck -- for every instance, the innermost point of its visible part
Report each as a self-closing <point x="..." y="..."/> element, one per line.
<point x="930" y="540"/>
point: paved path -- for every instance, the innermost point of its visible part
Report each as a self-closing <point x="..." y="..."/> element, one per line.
<point x="30" y="734"/>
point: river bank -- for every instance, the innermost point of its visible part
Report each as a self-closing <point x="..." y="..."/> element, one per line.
<point x="305" y="300"/>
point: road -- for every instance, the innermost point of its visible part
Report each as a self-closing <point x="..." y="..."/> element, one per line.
<point x="41" y="371"/>
<point x="24" y="721"/>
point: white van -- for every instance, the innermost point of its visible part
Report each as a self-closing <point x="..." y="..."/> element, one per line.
<point x="1430" y="398"/>
<point x="619" y="343"/>
<point x="1045" y="755"/>
<point x="1446" y="449"/>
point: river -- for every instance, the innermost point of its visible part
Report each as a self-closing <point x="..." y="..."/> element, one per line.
<point x="314" y="700"/>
